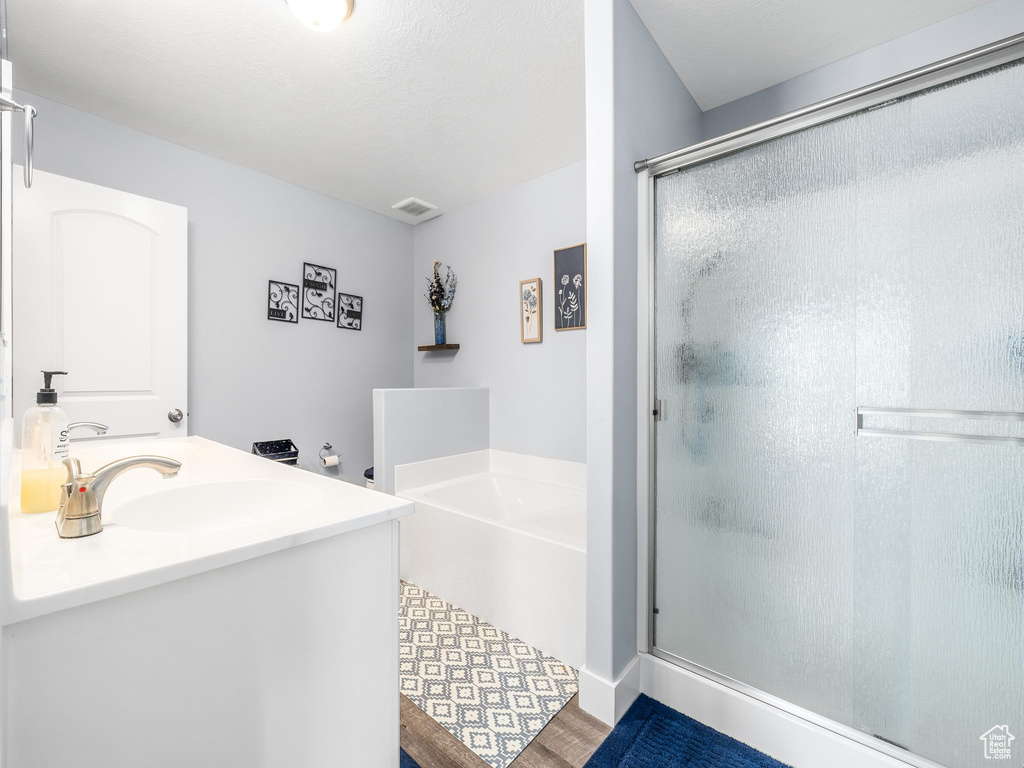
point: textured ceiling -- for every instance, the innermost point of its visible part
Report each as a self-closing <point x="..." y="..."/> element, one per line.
<point x="726" y="49"/>
<point x="445" y="100"/>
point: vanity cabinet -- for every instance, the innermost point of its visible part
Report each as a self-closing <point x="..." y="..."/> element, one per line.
<point x="268" y="646"/>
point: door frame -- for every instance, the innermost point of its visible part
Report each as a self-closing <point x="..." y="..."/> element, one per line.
<point x="648" y="171"/>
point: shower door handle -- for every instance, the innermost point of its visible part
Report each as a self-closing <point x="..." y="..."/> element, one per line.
<point x="946" y="437"/>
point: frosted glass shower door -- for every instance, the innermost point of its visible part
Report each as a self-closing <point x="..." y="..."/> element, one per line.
<point x="872" y="261"/>
<point x="940" y="325"/>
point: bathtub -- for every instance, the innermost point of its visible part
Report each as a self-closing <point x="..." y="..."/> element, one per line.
<point x="503" y="536"/>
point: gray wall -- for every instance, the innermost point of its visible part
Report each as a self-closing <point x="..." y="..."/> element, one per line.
<point x="538" y="391"/>
<point x="636" y="108"/>
<point x="251" y="378"/>
<point x="971" y="29"/>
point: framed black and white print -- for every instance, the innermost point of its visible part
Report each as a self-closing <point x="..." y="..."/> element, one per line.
<point x="571" y="288"/>
<point x="283" y="302"/>
<point x="318" y="292"/>
<point x="350" y="311"/>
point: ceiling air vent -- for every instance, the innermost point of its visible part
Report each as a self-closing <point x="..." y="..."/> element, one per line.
<point x="414" y="207"/>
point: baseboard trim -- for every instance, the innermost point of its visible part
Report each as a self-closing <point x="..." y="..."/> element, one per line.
<point x="607" y="700"/>
<point x="789" y="739"/>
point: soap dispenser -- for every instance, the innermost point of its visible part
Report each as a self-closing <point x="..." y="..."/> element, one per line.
<point x="44" y="446"/>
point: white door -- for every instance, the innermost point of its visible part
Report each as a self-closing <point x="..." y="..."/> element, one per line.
<point x="100" y="291"/>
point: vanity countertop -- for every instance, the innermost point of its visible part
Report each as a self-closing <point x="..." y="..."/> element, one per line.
<point x="49" y="574"/>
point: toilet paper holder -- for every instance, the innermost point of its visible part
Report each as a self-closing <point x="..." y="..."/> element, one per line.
<point x="328" y="459"/>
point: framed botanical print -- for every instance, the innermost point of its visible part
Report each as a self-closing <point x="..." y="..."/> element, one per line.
<point x="282" y="302"/>
<point x="350" y="311"/>
<point x="571" y="288"/>
<point x="318" y="292"/>
<point x="531" y="322"/>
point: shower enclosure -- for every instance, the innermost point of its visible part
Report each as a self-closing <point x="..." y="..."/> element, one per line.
<point x="837" y="383"/>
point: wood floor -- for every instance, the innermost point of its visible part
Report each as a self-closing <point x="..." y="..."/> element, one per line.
<point x="567" y="741"/>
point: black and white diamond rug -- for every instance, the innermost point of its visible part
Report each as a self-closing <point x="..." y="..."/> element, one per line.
<point x="492" y="692"/>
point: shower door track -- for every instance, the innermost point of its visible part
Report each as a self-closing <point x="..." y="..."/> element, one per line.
<point x="947" y="70"/>
<point x="974" y="61"/>
<point x="789" y="708"/>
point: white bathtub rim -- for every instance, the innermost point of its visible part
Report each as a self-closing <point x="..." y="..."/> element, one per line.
<point x="417" y="474"/>
<point x="417" y="495"/>
<point x="428" y="493"/>
<point x="570" y="474"/>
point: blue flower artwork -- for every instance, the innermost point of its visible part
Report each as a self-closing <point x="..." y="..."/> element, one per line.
<point x="530" y="322"/>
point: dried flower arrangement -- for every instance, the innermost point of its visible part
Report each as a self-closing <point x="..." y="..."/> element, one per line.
<point x="441" y="293"/>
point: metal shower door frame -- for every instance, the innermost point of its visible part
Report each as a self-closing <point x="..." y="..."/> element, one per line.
<point x="650" y="410"/>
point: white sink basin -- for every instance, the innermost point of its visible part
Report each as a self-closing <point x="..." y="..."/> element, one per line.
<point x="215" y="506"/>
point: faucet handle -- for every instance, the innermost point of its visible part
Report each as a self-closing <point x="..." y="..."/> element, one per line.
<point x="74" y="467"/>
<point x="79" y="512"/>
<point x="65" y="495"/>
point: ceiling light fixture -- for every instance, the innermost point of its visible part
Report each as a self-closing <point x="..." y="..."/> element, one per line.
<point x="321" y="15"/>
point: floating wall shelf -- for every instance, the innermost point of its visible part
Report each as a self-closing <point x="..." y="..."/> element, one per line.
<point x="437" y="347"/>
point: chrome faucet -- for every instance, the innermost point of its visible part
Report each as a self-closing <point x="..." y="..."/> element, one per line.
<point x="81" y="501"/>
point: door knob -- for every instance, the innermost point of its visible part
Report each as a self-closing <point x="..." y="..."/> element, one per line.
<point x="175" y="415"/>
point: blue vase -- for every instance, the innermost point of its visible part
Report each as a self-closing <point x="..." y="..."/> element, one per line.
<point x="439" y="331"/>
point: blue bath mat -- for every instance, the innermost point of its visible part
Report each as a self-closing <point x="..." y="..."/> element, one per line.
<point x="404" y="761"/>
<point x="651" y="735"/>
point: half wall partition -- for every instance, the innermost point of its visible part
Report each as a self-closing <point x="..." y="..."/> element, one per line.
<point x="837" y="400"/>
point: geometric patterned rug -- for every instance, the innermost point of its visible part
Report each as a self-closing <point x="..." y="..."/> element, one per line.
<point x="491" y="691"/>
